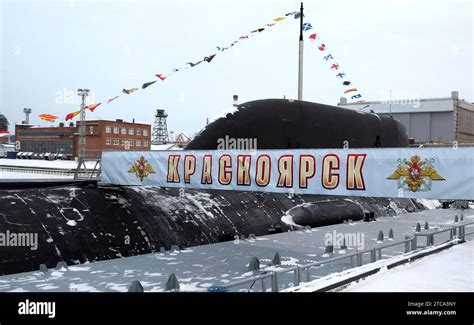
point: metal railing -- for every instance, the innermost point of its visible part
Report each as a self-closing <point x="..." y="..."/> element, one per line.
<point x="85" y="173"/>
<point x="410" y="245"/>
<point x="38" y="170"/>
<point x="81" y="172"/>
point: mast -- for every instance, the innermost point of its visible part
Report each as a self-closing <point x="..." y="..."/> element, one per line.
<point x="300" y="61"/>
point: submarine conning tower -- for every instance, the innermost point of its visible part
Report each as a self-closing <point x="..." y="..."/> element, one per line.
<point x="293" y="124"/>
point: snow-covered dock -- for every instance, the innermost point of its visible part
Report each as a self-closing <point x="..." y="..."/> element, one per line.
<point x="448" y="271"/>
<point x="201" y="267"/>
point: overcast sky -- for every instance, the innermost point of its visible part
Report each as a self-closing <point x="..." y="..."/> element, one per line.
<point x="51" y="48"/>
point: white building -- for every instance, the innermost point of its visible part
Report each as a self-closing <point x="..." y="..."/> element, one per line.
<point x="428" y="120"/>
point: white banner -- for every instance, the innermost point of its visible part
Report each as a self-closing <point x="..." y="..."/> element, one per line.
<point x="436" y="173"/>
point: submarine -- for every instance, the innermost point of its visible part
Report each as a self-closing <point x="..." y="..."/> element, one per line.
<point x="84" y="221"/>
<point x="292" y="124"/>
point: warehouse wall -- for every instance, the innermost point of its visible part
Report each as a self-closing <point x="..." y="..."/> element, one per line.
<point x="427" y="126"/>
<point x="464" y="123"/>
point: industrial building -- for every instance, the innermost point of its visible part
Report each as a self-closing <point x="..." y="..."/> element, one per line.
<point x="437" y="120"/>
<point x="101" y="135"/>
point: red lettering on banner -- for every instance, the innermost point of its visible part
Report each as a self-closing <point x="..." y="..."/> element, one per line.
<point x="206" y="174"/>
<point x="354" y="175"/>
<point x="225" y="176"/>
<point x="173" y="175"/>
<point x="263" y="168"/>
<point x="285" y="169"/>
<point x="307" y="169"/>
<point x="243" y="169"/>
<point x="330" y="180"/>
<point x="189" y="167"/>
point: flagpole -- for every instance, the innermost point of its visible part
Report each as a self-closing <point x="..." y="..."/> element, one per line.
<point x="300" y="61"/>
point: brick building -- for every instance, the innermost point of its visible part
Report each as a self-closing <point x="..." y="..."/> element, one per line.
<point x="50" y="139"/>
<point x="101" y="136"/>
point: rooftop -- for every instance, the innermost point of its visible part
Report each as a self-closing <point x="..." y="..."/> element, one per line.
<point x="408" y="104"/>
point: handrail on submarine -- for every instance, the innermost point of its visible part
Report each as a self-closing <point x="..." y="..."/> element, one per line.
<point x="84" y="173"/>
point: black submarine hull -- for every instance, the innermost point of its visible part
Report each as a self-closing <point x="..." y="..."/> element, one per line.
<point x="84" y="222"/>
<point x="286" y="124"/>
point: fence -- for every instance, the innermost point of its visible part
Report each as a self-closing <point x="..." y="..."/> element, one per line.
<point x="410" y="245"/>
<point x="81" y="172"/>
<point x="84" y="173"/>
<point x="38" y="170"/>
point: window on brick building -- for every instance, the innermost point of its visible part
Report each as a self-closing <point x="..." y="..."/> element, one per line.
<point x="145" y="143"/>
<point x="130" y="132"/>
<point x="107" y="141"/>
<point x="138" y="132"/>
<point x="124" y="131"/>
<point x="108" y="129"/>
<point x="137" y="143"/>
<point x="116" y="130"/>
<point x="116" y="142"/>
<point x="145" y="133"/>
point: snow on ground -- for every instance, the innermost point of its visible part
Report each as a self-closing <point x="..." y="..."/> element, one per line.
<point x="67" y="165"/>
<point x="15" y="175"/>
<point x="337" y="277"/>
<point x="451" y="270"/>
<point x="61" y="164"/>
<point x="200" y="267"/>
